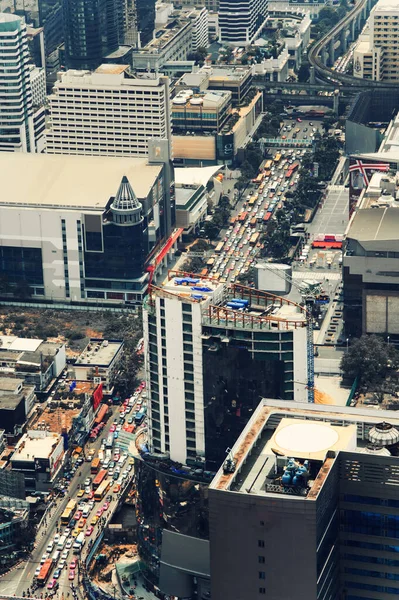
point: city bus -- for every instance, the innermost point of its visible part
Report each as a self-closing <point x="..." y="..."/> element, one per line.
<point x="210" y="262"/>
<point x="268" y="165"/>
<point x="102" y="490"/>
<point x="258" y="178"/>
<point x="139" y="416"/>
<point x="242" y="216"/>
<point x="95" y="466"/>
<point x="254" y="239"/>
<point x="251" y="201"/>
<point x="102" y="413"/>
<point x="277" y="158"/>
<point x="45" y="572"/>
<point x="99" y="478"/>
<point x="68" y="512"/>
<point x="219" y="248"/>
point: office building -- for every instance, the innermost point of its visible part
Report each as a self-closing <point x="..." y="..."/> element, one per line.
<point x="39" y="456"/>
<point x="99" y="362"/>
<point x="206" y="111"/>
<point x="241" y="22"/>
<point x="145" y="20"/>
<point x="376" y="53"/>
<point x="107" y="113"/>
<point x="14" y="524"/>
<point x="311" y="486"/>
<point x="21" y="125"/>
<point x="35" y="36"/>
<point x="16" y="401"/>
<point x="192" y="196"/>
<point x="208" y="364"/>
<point x="92" y="29"/>
<point x="179" y="33"/>
<point x="86" y="233"/>
<point x="37" y="76"/>
<point x="51" y="21"/>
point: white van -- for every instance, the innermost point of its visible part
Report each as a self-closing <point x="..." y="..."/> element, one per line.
<point x="79" y="543"/>
<point x="106" y="462"/>
<point x="56" y="556"/>
<point x="50" y="547"/>
<point x="86" y="511"/>
<point x="61" y="542"/>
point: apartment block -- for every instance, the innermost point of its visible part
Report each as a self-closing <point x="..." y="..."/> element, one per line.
<point x="241" y="22"/>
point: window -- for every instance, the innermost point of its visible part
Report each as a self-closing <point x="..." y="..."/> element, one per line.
<point x="261" y="560"/>
<point x="261" y="543"/>
<point x="262" y="590"/>
<point x="262" y="575"/>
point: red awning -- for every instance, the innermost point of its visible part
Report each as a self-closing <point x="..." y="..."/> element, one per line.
<point x="336" y="245"/>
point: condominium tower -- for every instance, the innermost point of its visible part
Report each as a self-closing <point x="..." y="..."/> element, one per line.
<point x="107" y="113"/>
<point x="21" y="125"/>
<point x="241" y="21"/>
<point x="208" y="363"/>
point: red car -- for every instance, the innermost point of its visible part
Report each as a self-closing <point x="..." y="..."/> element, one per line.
<point x="71" y="575"/>
<point x="299" y="120"/>
<point x="112" y="428"/>
<point x="77" y="516"/>
<point x="73" y="565"/>
<point x="89" y="530"/>
<point x="99" y="513"/>
<point x="105" y="506"/>
<point x="90" y="495"/>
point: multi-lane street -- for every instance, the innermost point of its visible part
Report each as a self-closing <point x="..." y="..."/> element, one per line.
<point x="59" y="535"/>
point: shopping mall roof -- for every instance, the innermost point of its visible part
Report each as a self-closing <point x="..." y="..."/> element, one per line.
<point x="36" y="444"/>
<point x="195" y="175"/>
<point x="85" y="182"/>
<point x="371" y="225"/>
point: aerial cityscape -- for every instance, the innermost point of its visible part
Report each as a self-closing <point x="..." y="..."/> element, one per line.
<point x="199" y="299"/>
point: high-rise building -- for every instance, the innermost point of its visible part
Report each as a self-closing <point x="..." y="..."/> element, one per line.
<point x="92" y="29"/>
<point x="21" y="126"/>
<point x="145" y="19"/>
<point x="107" y="113"/>
<point x="376" y="53"/>
<point x="51" y="19"/>
<point x="208" y="362"/>
<point x="240" y="22"/>
<point x="311" y="487"/>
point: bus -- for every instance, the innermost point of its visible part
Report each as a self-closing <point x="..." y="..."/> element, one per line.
<point x="102" y="413"/>
<point x="232" y="220"/>
<point x="258" y="178"/>
<point x="68" y="512"/>
<point x="139" y="416"/>
<point x="253" y="222"/>
<point x="242" y="216"/>
<point x="210" y="262"/>
<point x="95" y="466"/>
<point x="219" y="248"/>
<point x="99" y="478"/>
<point x="251" y="201"/>
<point x="268" y="165"/>
<point x="79" y="542"/>
<point x="45" y="572"/>
<point x="254" y="239"/>
<point x="267" y="218"/>
<point x="102" y="490"/>
<point x="267" y="173"/>
<point x="277" y="158"/>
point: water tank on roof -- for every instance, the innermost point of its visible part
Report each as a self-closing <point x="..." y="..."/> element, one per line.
<point x="179" y="100"/>
<point x="195" y="101"/>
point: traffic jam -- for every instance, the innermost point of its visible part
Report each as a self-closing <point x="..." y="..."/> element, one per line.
<point x="242" y="241"/>
<point x="85" y="514"/>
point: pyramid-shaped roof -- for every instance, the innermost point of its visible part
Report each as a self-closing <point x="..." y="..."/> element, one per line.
<point x="125" y="198"/>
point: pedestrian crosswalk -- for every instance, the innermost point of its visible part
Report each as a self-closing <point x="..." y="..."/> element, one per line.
<point x="318" y="275"/>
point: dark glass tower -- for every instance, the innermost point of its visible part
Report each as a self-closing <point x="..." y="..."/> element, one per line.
<point x="145" y="20"/>
<point x="93" y="29"/>
<point x="50" y="18"/>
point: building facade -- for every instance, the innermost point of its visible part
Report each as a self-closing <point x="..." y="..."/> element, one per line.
<point x="99" y="362"/>
<point x="92" y="29"/>
<point x="207" y="365"/>
<point x="241" y="22"/>
<point x="307" y="486"/>
<point x="107" y="113"/>
<point x="102" y="231"/>
<point x="21" y="126"/>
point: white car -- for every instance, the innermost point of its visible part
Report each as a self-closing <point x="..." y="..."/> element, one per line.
<point x="87" y="490"/>
<point x="69" y="543"/>
<point x="37" y="571"/>
<point x="64" y="555"/>
<point x="43" y="558"/>
<point x="62" y="564"/>
<point x="56" y="537"/>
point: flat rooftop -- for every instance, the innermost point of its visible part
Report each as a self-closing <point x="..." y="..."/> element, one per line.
<point x="39" y="445"/>
<point x="228" y="73"/>
<point x="71" y="182"/>
<point x="280" y="430"/>
<point x="99" y="352"/>
<point x="10" y="384"/>
<point x="17" y="344"/>
<point x="372" y="225"/>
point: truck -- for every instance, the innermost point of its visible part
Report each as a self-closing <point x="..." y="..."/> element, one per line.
<point x="79" y="542"/>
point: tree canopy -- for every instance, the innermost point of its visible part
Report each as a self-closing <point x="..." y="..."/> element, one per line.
<point x="371" y="360"/>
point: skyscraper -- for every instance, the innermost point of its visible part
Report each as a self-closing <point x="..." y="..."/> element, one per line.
<point x="145" y="11"/>
<point x="21" y="126"/>
<point x="93" y="29"/>
<point x="240" y="22"/>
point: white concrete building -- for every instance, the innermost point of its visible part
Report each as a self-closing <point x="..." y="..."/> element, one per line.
<point x="376" y="54"/>
<point x="99" y="362"/>
<point x="39" y="456"/>
<point x="38" y="85"/>
<point x="241" y="22"/>
<point x="107" y="113"/>
<point x="21" y="130"/>
<point x="179" y="33"/>
<point x="207" y="364"/>
<point x="274" y="69"/>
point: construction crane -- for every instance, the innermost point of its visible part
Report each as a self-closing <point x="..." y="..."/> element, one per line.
<point x="309" y="291"/>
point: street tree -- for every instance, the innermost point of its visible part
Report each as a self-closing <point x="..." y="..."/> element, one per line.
<point x="371" y="360"/>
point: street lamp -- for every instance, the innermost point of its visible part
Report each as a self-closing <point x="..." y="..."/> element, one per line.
<point x="388" y="340"/>
<point x="347" y="344"/>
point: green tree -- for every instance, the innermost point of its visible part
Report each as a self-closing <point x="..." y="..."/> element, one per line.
<point x="304" y="72"/>
<point x="211" y="230"/>
<point x="371" y="360"/>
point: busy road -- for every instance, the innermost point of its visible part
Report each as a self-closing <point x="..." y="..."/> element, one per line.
<point x="266" y="194"/>
<point x="72" y="522"/>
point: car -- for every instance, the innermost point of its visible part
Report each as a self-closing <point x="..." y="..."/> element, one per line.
<point x="77" y="515"/>
<point x="71" y="575"/>
<point x="89" y="530"/>
<point x="52" y="585"/>
<point x="61" y="564"/>
<point x="116" y="435"/>
<point x="37" y="571"/>
<point x="91" y="501"/>
<point x="69" y="543"/>
<point x="112" y="428"/>
<point x="115" y="476"/>
<point x="50" y="547"/>
<point x="94" y="520"/>
<point x="131" y="461"/>
<point x="91" y="452"/>
<point x="76" y="532"/>
<point x="56" y="538"/>
<point x="99" y="512"/>
<point x="80" y="460"/>
<point x="90" y="495"/>
<point x="87" y="490"/>
<point x="105" y="506"/>
<point x="57" y="573"/>
<point x="65" y="554"/>
<point x="82" y="523"/>
<point x="299" y="120"/>
<point x="116" y="458"/>
<point x="116" y="488"/>
<point x="111" y="464"/>
<point x="43" y="558"/>
<point x="87" y="481"/>
<point x="80" y="493"/>
<point x="310" y="123"/>
<point x="73" y="564"/>
<point x="110" y="472"/>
